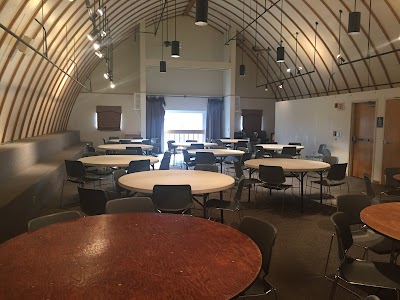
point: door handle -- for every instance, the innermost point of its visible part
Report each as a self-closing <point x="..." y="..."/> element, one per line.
<point x="385" y="142"/>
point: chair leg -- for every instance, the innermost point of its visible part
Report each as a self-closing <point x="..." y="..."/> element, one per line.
<point x="283" y="202"/>
<point x="222" y="216"/>
<point x="329" y="254"/>
<point x="62" y="192"/>
<point x="335" y="282"/>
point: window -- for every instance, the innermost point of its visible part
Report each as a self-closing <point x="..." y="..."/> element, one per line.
<point x="109" y="118"/>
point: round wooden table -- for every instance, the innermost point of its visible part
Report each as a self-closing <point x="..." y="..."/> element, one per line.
<point x="300" y="166"/>
<point x="115" y="160"/>
<point x="201" y="182"/>
<point x="129" y="256"/>
<point x="117" y="147"/>
<point x="223" y="153"/>
<point x="131" y="140"/>
<point x="188" y="144"/>
<point x="278" y="147"/>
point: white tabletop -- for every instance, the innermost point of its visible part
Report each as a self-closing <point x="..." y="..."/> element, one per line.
<point x="188" y="144"/>
<point x="278" y="146"/>
<point x="131" y="140"/>
<point x="200" y="181"/>
<point x="289" y="165"/>
<point x="218" y="152"/>
<point x="234" y="141"/>
<point x="123" y="146"/>
<point x="115" y="160"/>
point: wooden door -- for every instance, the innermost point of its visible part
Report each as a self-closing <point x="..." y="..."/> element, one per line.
<point x="391" y="140"/>
<point x="362" y="138"/>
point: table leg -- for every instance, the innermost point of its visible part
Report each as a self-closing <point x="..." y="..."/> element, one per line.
<point x="320" y="188"/>
<point x="302" y="190"/>
<point x="204" y="205"/>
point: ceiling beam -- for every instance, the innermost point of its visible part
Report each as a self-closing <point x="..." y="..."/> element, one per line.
<point x="189" y="7"/>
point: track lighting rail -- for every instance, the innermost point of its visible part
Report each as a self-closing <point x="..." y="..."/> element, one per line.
<point x="368" y="57"/>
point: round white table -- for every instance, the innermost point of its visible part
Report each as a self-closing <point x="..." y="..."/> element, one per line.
<point x="115" y="160"/>
<point x="300" y="166"/>
<point x="131" y="140"/>
<point x="188" y="144"/>
<point x="223" y="153"/>
<point x="278" y="147"/>
<point x="233" y="141"/>
<point x="201" y="182"/>
<point x="117" y="147"/>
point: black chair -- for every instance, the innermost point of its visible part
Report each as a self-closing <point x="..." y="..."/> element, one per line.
<point x="360" y="272"/>
<point x="125" y="141"/>
<point x="297" y="151"/>
<point x="187" y="160"/>
<point x="289" y="151"/>
<point x="205" y="158"/>
<point x="89" y="148"/>
<point x="131" y="204"/>
<point x="164" y="165"/>
<point x="104" y="141"/>
<point x="172" y="198"/>
<point x="172" y="148"/>
<point x="196" y="146"/>
<point x="139" y="166"/>
<point x="118" y="174"/>
<point x="53" y="218"/>
<point x="138" y="150"/>
<point x="263" y="234"/>
<point x="335" y="177"/>
<point x="248" y="182"/>
<point x="206" y="167"/>
<point x="368" y="186"/>
<point x="92" y="202"/>
<point x="191" y="141"/>
<point x="391" y="183"/>
<point x="273" y="178"/>
<point x="241" y="145"/>
<point x="319" y="154"/>
<point x="76" y="173"/>
<point x="280" y="155"/>
<point x="227" y="205"/>
<point x="351" y="206"/>
<point x="156" y="145"/>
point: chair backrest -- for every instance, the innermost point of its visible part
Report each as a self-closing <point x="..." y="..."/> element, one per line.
<point x="170" y="146"/>
<point x="238" y="169"/>
<point x="259" y="154"/>
<point x="104" y="141"/>
<point x="241" y="144"/>
<point x="146" y="142"/>
<point x="368" y="186"/>
<point x="352" y="205"/>
<point x="206" y="167"/>
<point x="93" y="202"/>
<point x="245" y="156"/>
<point x="186" y="156"/>
<point x="289" y="150"/>
<point x="294" y="144"/>
<point x="326" y="152"/>
<point x="321" y="148"/>
<point x="330" y="159"/>
<point x="337" y="172"/>
<point x="53" y="218"/>
<point x="263" y="234"/>
<point x="75" y="169"/>
<point x="124" y="141"/>
<point x="191" y="141"/>
<point x="164" y="165"/>
<point x="343" y="234"/>
<point x="139" y="166"/>
<point x="131" y="151"/>
<point x="172" y="198"/>
<point x="131" y="204"/>
<point x="206" y="158"/>
<point x="280" y="155"/>
<point x="238" y="195"/>
<point x="89" y="148"/>
<point x="218" y="142"/>
<point x="389" y="180"/>
<point x="272" y="174"/>
<point x="272" y="142"/>
<point x="196" y="146"/>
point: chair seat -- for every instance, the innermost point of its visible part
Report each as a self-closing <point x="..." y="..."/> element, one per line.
<point x="83" y="180"/>
<point x="326" y="182"/>
<point x="371" y="273"/>
<point x="374" y="242"/>
<point x="249" y="181"/>
<point x="281" y="187"/>
<point x="222" y="204"/>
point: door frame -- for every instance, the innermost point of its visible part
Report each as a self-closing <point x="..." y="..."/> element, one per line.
<point x="353" y="109"/>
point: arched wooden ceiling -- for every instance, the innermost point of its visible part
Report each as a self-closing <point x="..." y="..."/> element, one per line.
<point x="36" y="98"/>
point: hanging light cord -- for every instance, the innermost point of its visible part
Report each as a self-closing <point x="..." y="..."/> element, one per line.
<point x="255" y="34"/>
<point x="162" y="34"/>
<point x="369" y="32"/>
<point x="340" y="27"/>
<point x="281" y="21"/>
<point x="295" y="62"/>
<point x="175" y="20"/>
<point x="243" y="31"/>
<point x="315" y="42"/>
<point x="355" y="5"/>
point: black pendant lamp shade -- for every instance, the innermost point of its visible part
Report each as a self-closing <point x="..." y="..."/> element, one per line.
<point x="175" y="49"/>
<point x="163" y="66"/>
<point x="280" y="54"/>
<point x="201" y="12"/>
<point x="354" y="22"/>
<point x="242" y="70"/>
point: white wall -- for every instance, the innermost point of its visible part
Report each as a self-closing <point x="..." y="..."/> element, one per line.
<point x="312" y="122"/>
<point x="83" y="116"/>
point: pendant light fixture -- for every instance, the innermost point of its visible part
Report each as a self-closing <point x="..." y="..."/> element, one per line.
<point x="354" y="21"/>
<point x="175" y="43"/>
<point x="280" y="51"/>
<point x="163" y="63"/>
<point x="242" y="67"/>
<point x="201" y="12"/>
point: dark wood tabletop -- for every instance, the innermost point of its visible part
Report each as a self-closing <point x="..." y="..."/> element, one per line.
<point x="129" y="256"/>
<point x="383" y="218"/>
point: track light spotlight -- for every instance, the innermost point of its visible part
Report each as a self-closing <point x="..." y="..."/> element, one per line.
<point x="112" y="85"/>
<point x="106" y="76"/>
<point x="281" y="85"/>
<point x="242" y="70"/>
<point x="288" y="70"/>
<point x="99" y="54"/>
<point x="201" y="12"/>
<point x="92" y="36"/>
<point x="100" y="12"/>
<point x="96" y="46"/>
<point x="266" y="88"/>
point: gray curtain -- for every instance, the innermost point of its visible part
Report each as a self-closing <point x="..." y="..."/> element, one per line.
<point x="155" y="117"/>
<point x="215" y="108"/>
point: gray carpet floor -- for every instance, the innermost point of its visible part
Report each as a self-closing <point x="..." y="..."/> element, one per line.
<point x="300" y="251"/>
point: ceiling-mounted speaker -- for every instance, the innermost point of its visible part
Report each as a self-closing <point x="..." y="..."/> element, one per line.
<point x="354" y="22"/>
<point x="22" y="47"/>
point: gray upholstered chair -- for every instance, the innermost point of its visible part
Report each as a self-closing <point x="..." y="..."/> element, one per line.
<point x="131" y="204"/>
<point x="53" y="218"/>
